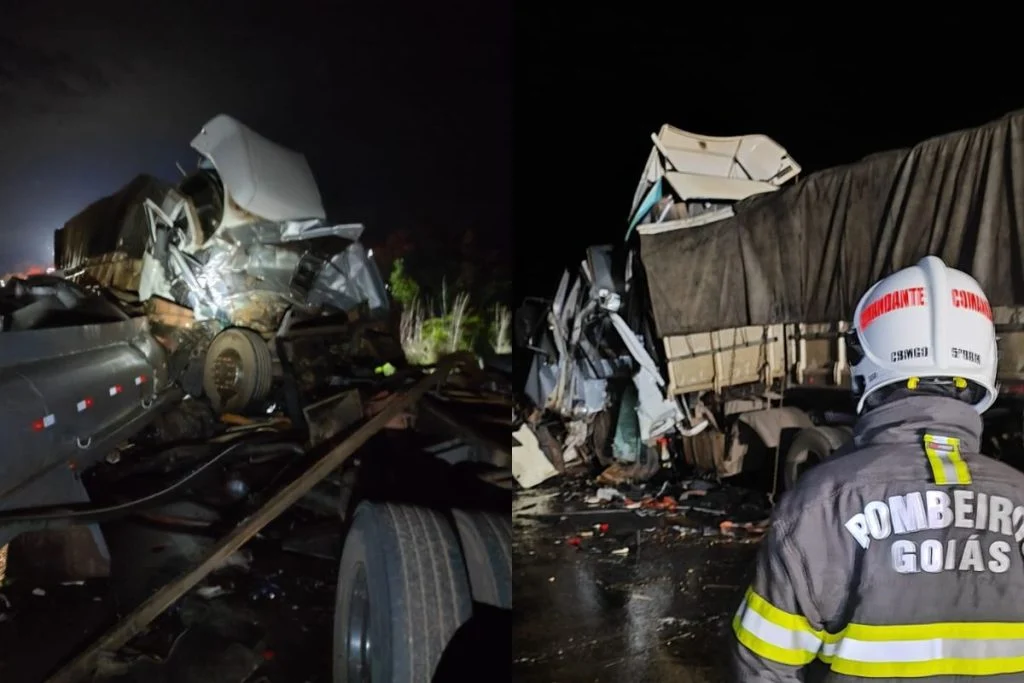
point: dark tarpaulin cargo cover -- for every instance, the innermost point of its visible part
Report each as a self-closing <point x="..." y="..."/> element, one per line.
<point x="809" y="251"/>
<point x="114" y="223"/>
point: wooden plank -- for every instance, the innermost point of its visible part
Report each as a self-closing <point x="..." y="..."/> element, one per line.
<point x="132" y="625"/>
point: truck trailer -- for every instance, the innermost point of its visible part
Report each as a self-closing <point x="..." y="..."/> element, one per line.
<point x="714" y="334"/>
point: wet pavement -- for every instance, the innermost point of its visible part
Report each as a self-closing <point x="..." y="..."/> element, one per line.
<point x="616" y="594"/>
<point x="266" y="616"/>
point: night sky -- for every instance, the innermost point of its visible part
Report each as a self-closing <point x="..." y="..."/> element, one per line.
<point x="403" y="110"/>
<point x="591" y="86"/>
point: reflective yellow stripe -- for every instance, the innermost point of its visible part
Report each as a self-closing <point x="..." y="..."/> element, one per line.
<point x="762" y="648"/>
<point x="967" y="630"/>
<point x="790" y="622"/>
<point x="948" y="466"/>
<point x="915" y="650"/>
<point x="932" y="667"/>
<point x="874" y="651"/>
<point x="963" y="474"/>
<point x="775" y="634"/>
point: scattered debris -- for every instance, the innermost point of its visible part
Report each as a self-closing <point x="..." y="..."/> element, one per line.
<point x="665" y="503"/>
<point x="688" y="508"/>
<point x="685" y="531"/>
<point x="210" y="592"/>
<point x="240" y="559"/>
<point x="744" y="531"/>
<point x="621" y="551"/>
<point x="530" y="466"/>
<point x="608" y="494"/>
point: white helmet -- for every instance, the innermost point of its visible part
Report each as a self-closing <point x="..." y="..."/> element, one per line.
<point x="925" y="322"/>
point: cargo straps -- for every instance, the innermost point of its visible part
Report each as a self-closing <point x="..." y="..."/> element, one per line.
<point x="874" y="651"/>
<point x="948" y="466"/>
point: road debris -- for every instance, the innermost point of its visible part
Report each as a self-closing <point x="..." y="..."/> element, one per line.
<point x="210" y="592"/>
<point x="748" y="531"/>
<point x="605" y="494"/>
<point x="660" y="581"/>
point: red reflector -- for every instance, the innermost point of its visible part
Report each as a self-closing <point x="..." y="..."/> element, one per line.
<point x="46" y="421"/>
<point x="88" y="403"/>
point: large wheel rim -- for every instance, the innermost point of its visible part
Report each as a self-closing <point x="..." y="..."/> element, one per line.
<point x="358" y="646"/>
<point x="227" y="373"/>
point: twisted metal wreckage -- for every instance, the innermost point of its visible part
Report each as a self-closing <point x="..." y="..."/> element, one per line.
<point x="221" y="334"/>
<point x="594" y="364"/>
<point x="717" y="334"/>
<point x="241" y="240"/>
<point x="163" y="291"/>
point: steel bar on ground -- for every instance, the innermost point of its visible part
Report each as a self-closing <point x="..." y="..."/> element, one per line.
<point x="84" y="664"/>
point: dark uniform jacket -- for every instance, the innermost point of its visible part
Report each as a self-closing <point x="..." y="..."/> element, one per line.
<point x="900" y="557"/>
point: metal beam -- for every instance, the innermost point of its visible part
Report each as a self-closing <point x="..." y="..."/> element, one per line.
<point x="132" y="625"/>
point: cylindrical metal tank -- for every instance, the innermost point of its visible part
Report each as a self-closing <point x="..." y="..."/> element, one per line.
<point x="64" y="390"/>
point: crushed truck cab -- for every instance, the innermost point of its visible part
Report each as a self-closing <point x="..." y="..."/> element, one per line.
<point x="240" y="240"/>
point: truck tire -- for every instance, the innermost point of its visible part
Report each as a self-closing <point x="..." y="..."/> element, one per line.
<point x="238" y="370"/>
<point x="487" y="546"/>
<point x="810" y="447"/>
<point x="402" y="594"/>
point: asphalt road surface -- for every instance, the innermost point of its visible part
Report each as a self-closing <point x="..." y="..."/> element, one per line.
<point x="641" y="599"/>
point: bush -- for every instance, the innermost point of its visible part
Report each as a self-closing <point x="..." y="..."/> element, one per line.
<point x="428" y="332"/>
<point x="405" y="290"/>
<point x="501" y="329"/>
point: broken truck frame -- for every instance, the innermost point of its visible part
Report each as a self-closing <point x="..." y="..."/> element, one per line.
<point x="232" y="291"/>
<point x="133" y="624"/>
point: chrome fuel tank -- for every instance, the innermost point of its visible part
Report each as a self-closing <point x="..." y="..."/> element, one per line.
<point x="68" y="394"/>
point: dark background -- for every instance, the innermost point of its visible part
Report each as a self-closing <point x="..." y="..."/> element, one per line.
<point x="593" y="83"/>
<point x="403" y="110"/>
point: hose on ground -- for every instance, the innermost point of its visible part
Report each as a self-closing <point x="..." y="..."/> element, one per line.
<point x="93" y="514"/>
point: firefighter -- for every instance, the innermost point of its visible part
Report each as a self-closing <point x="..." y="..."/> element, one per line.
<point x="901" y="556"/>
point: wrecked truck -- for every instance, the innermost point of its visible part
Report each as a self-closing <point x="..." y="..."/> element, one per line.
<point x="714" y="337"/>
<point x="202" y="344"/>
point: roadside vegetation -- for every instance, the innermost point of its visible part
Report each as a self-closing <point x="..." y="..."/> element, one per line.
<point x="450" y="321"/>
